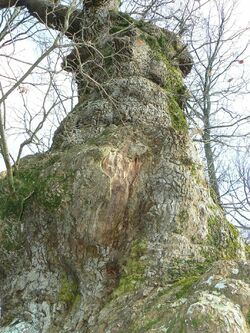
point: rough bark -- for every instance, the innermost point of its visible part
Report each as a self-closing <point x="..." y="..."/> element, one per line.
<point x="115" y="228"/>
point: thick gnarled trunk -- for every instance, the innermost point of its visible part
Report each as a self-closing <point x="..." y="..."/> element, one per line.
<point x="115" y="226"/>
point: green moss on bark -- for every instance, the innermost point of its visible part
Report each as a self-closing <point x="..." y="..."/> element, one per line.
<point x="30" y="183"/>
<point x="120" y="22"/>
<point x="177" y="116"/>
<point x="69" y="291"/>
<point x="185" y="286"/>
<point x="248" y="318"/>
<point x="247" y="250"/>
<point x="133" y="272"/>
<point x="162" y="49"/>
<point x="223" y="237"/>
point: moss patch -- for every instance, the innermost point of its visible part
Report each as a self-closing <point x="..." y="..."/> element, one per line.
<point x="248" y="317"/>
<point x="233" y="243"/>
<point x="177" y="116"/>
<point x="120" y="22"/>
<point x="157" y="311"/>
<point x="185" y="286"/>
<point x="223" y="237"/>
<point x="147" y="325"/>
<point x="162" y="48"/>
<point x="181" y="221"/>
<point x="11" y="237"/>
<point x="178" y="324"/>
<point x="181" y="269"/>
<point x="214" y="196"/>
<point x="30" y="183"/>
<point x="11" y="244"/>
<point x="196" y="171"/>
<point x="197" y="322"/>
<point x="69" y="291"/>
<point x="133" y="273"/>
<point x="47" y="190"/>
<point x="247" y="250"/>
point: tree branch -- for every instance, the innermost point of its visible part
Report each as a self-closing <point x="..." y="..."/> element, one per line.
<point x="53" y="16"/>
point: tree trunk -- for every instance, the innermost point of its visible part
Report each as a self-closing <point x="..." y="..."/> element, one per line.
<point x="6" y="156"/>
<point x="207" y="142"/>
<point x="210" y="164"/>
<point x="121" y="225"/>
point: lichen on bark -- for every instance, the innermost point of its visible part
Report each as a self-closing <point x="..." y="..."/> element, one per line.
<point x="118" y="230"/>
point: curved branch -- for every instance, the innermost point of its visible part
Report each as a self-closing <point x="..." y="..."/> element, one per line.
<point x="53" y="16"/>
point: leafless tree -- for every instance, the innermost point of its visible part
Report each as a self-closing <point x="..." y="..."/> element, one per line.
<point x="22" y="79"/>
<point x="218" y="78"/>
<point x="237" y="191"/>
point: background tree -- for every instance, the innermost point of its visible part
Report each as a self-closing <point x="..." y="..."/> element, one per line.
<point x="27" y="72"/>
<point x="237" y="193"/>
<point x="218" y="79"/>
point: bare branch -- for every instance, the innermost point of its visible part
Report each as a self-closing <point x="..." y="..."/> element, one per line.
<point x="53" y="16"/>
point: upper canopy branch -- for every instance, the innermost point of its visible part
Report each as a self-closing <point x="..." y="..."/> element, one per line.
<point x="59" y="17"/>
<point x="67" y="19"/>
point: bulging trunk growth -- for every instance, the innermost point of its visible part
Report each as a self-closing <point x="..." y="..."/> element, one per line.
<point x="115" y="229"/>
